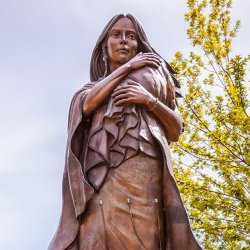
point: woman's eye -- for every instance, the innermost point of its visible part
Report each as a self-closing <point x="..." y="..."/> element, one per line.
<point x="116" y="34"/>
<point x="131" y="36"/>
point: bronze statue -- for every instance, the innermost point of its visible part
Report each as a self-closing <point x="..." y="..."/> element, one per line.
<point x="118" y="186"/>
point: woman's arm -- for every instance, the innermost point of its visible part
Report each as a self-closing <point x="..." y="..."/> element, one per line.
<point x="171" y="120"/>
<point x="134" y="93"/>
<point x="102" y="90"/>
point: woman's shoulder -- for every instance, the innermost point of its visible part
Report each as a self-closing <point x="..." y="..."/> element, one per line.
<point x="84" y="88"/>
<point x="87" y="85"/>
<point x="82" y="91"/>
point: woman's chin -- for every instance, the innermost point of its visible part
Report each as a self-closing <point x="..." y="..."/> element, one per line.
<point x="123" y="61"/>
<point x="123" y="58"/>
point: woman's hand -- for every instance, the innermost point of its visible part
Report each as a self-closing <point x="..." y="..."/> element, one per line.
<point x="132" y="93"/>
<point x="102" y="89"/>
<point x="144" y="59"/>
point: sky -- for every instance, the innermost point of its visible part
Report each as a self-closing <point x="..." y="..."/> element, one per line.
<point x="45" y="50"/>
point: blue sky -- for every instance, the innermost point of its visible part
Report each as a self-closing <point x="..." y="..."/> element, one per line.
<point x="45" y="49"/>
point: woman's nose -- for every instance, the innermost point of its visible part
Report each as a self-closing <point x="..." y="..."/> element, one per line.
<point x="124" y="39"/>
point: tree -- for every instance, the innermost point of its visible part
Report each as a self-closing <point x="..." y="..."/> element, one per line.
<point x="212" y="157"/>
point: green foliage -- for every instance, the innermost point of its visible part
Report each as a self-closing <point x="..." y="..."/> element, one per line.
<point x="212" y="157"/>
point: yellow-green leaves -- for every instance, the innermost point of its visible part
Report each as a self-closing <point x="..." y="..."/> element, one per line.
<point x="212" y="157"/>
<point x="209" y="26"/>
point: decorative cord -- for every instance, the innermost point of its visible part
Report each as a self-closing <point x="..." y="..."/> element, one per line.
<point x="158" y="221"/>
<point x="104" y="225"/>
<point x="105" y="59"/>
<point x="133" y="225"/>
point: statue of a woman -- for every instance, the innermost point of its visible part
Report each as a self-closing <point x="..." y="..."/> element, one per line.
<point x="118" y="186"/>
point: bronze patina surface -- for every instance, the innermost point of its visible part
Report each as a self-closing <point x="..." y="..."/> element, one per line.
<point x="118" y="186"/>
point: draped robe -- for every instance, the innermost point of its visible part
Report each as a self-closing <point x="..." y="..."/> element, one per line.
<point x="84" y="174"/>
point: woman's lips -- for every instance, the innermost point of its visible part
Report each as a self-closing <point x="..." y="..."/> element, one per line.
<point x="123" y="50"/>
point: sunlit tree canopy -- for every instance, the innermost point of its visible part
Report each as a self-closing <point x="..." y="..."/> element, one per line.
<point x="212" y="157"/>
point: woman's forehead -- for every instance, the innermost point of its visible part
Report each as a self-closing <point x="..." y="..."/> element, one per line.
<point x="124" y="24"/>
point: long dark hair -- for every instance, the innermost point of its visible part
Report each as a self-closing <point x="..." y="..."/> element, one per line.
<point x="97" y="64"/>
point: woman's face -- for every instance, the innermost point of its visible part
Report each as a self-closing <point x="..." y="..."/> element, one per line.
<point x="122" y="43"/>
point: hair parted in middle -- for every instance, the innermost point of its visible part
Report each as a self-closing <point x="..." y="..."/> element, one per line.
<point x="98" y="69"/>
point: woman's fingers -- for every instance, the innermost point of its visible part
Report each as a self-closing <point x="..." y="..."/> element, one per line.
<point x="151" y="63"/>
<point x="120" y="97"/>
<point x="119" y="91"/>
<point x="125" y="101"/>
<point x="144" y="59"/>
<point x="129" y="87"/>
<point x="152" y="55"/>
<point x="124" y="92"/>
<point x="155" y="59"/>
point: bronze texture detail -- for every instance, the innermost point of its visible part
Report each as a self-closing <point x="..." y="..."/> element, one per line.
<point x="119" y="190"/>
